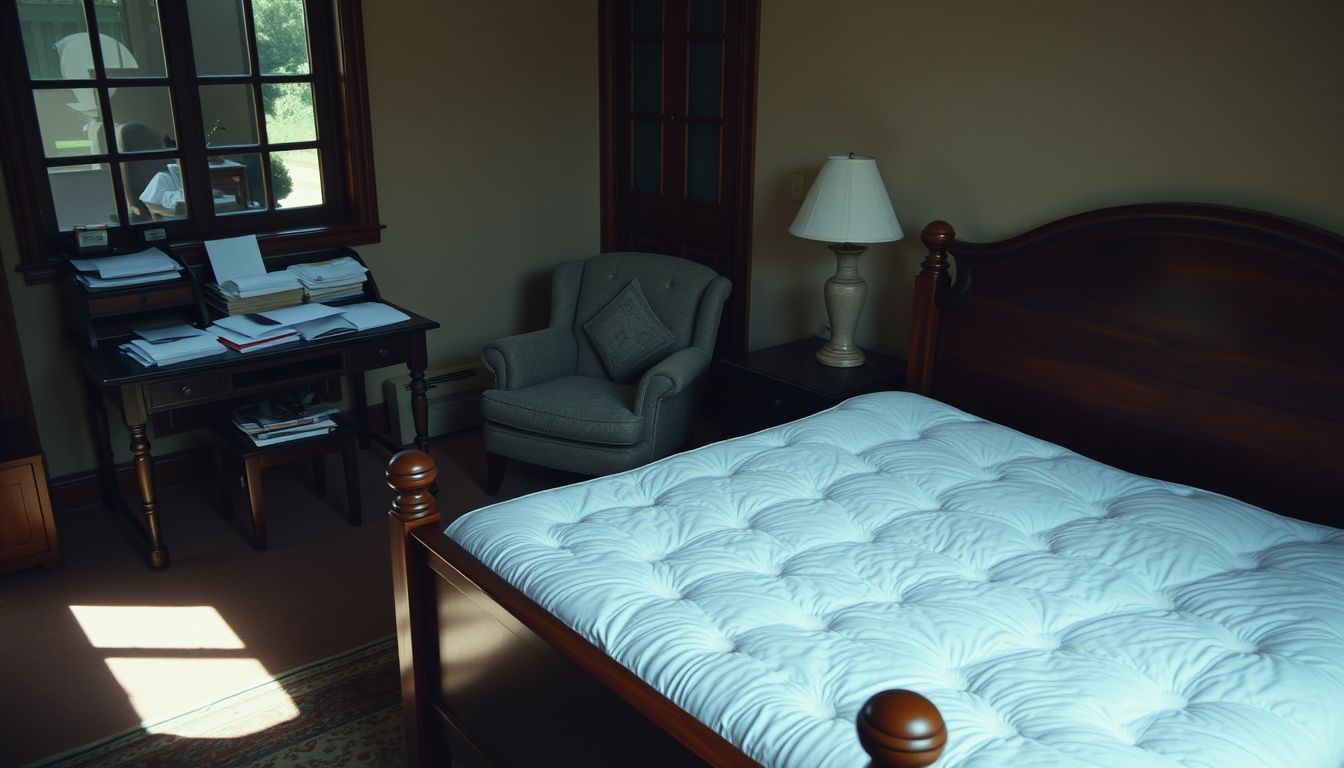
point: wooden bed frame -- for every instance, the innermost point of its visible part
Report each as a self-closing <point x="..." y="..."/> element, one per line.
<point x="1193" y="343"/>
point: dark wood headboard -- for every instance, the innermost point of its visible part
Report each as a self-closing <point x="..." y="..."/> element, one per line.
<point x="1192" y="343"/>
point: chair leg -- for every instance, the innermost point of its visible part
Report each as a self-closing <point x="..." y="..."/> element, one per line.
<point x="320" y="476"/>
<point x="225" y="487"/>
<point x="494" y="472"/>
<point x="254" y="498"/>
<point x="353" y="504"/>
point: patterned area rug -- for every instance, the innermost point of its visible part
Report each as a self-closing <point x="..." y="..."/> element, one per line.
<point x="349" y="714"/>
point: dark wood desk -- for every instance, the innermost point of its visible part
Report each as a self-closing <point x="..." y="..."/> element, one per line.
<point x="141" y="392"/>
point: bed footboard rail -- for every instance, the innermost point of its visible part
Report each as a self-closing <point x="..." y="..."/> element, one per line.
<point x="410" y="474"/>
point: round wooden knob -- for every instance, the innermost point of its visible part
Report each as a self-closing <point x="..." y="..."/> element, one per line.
<point x="186" y="391"/>
<point x="411" y="473"/>
<point x="901" y="729"/>
<point x="383" y="353"/>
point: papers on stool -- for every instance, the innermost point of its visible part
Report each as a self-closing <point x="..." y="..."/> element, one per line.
<point x="179" y="344"/>
<point x="148" y="266"/>
<point x="268" y="423"/>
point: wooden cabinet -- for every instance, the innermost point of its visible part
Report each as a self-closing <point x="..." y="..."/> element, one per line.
<point x="27" y="528"/>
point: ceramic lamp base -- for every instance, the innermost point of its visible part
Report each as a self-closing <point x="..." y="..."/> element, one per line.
<point x="845" y="292"/>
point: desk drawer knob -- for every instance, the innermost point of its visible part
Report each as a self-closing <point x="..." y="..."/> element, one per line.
<point x="144" y="298"/>
<point x="776" y="403"/>
<point x="185" y="390"/>
<point x="383" y="353"/>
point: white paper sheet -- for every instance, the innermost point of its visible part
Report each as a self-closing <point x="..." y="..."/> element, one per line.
<point x="161" y="333"/>
<point x="300" y="314"/>
<point x="235" y="257"/>
<point x="372" y="314"/>
<point x="145" y="262"/>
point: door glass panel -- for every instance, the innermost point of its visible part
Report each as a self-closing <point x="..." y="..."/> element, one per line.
<point x="144" y="118"/>
<point x="296" y="178"/>
<point x="56" y="41"/>
<point x="706" y="17"/>
<point x="219" y="37"/>
<point x="154" y="190"/>
<point x="228" y="115"/>
<point x="706" y="79"/>
<point x="289" y="112"/>
<point x="131" y="40"/>
<point x="648" y="17"/>
<point x="702" y="162"/>
<point x="83" y="195"/>
<point x="70" y="122"/>
<point x="282" y="37"/>
<point x="647" y="155"/>
<point x="235" y="183"/>
<point x="647" y="77"/>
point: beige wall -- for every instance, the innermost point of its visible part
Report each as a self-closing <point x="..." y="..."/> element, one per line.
<point x="1000" y="116"/>
<point x="485" y="129"/>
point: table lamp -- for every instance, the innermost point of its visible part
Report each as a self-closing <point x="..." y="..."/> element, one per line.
<point x="847" y="207"/>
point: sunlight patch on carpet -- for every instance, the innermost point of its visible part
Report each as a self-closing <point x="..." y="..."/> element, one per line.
<point x="154" y="626"/>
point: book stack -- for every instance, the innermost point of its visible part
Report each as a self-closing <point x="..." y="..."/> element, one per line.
<point x="340" y="278"/>
<point x="168" y="344"/>
<point x="148" y="266"/>
<point x="269" y="423"/>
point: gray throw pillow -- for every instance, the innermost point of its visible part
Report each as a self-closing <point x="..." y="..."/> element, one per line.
<point x="628" y="337"/>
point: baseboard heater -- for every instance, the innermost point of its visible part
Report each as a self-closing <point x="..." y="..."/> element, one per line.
<point x="454" y="395"/>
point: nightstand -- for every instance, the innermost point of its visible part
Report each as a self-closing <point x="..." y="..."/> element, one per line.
<point x="775" y="385"/>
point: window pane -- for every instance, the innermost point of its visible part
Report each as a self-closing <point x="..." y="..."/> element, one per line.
<point x="56" y="40"/>
<point x="228" y="116"/>
<point x="707" y="17"/>
<point x="702" y="162"/>
<point x="647" y="78"/>
<point x="296" y="178"/>
<point x="83" y="195"/>
<point x="647" y="160"/>
<point x="235" y="182"/>
<point x="70" y="122"/>
<point x="154" y="190"/>
<point x="289" y="112"/>
<point x="132" y="44"/>
<point x="282" y="37"/>
<point x="219" y="37"/>
<point x="144" y="118"/>
<point x="706" y="78"/>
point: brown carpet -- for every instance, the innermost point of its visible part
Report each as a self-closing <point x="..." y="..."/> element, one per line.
<point x="105" y="644"/>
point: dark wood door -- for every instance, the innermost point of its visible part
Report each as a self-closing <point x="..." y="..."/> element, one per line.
<point x="679" y="94"/>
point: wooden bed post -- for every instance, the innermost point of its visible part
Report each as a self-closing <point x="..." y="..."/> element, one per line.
<point x="931" y="279"/>
<point x="410" y="474"/>
<point x="901" y="729"/>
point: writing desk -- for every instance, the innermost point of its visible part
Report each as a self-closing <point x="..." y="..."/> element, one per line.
<point x="140" y="392"/>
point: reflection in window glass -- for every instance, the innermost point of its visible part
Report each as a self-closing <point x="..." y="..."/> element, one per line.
<point x="236" y="184"/>
<point x="154" y="190"/>
<point x="132" y="43"/>
<point x="296" y="178"/>
<point x="69" y="125"/>
<point x="282" y="37"/>
<point x="219" y="37"/>
<point x="289" y="112"/>
<point x="83" y="195"/>
<point x="56" y="41"/>
<point x="144" y="118"/>
<point x="228" y="116"/>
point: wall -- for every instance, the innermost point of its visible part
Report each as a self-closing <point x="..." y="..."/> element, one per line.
<point x="485" y="132"/>
<point x="1001" y="116"/>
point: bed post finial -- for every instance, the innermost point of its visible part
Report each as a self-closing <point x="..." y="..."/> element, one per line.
<point x="901" y="729"/>
<point x="937" y="237"/>
<point x="410" y="474"/>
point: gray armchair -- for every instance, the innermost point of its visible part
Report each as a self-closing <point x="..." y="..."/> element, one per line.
<point x="614" y="381"/>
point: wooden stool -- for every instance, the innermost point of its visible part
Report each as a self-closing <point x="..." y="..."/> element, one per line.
<point x="235" y="451"/>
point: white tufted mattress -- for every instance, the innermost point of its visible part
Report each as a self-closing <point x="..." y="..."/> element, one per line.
<point x="1058" y="611"/>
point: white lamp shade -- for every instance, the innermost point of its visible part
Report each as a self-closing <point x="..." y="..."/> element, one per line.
<point x="848" y="203"/>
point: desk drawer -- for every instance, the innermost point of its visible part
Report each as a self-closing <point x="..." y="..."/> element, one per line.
<point x="143" y="301"/>
<point x="188" y="389"/>
<point x="376" y="354"/>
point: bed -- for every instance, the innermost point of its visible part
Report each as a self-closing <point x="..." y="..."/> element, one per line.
<point x="1195" y="344"/>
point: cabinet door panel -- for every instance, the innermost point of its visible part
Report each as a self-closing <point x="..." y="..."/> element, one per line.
<point x="22" y="530"/>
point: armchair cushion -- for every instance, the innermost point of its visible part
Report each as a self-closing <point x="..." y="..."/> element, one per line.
<point x="627" y="336"/>
<point x="580" y="408"/>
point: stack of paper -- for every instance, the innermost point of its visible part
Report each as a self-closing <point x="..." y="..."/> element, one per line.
<point x="330" y="280"/>
<point x="171" y="344"/>
<point x="242" y="284"/>
<point x="269" y="423"/>
<point x="148" y="266"/>
<point x="372" y="314"/>
<point x="251" y="333"/>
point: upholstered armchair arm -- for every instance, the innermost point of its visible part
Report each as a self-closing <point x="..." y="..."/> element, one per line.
<point x="531" y="358"/>
<point x="670" y="378"/>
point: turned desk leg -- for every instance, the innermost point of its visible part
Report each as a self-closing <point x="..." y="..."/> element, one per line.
<point x="361" y="407"/>
<point x="420" y="409"/>
<point x="144" y="476"/>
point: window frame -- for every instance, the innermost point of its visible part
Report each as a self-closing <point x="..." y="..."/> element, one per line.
<point x="348" y="215"/>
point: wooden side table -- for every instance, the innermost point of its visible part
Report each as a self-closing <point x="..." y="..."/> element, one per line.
<point x="775" y="385"/>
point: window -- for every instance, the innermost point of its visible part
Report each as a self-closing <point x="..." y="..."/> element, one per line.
<point x="185" y="121"/>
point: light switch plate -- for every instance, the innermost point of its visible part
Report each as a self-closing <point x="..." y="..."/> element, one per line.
<point x="796" y="187"/>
